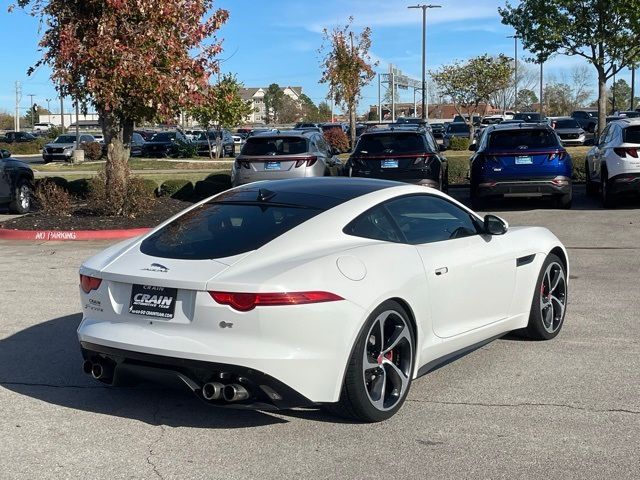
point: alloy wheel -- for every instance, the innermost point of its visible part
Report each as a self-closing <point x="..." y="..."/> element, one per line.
<point x="388" y="360"/>
<point x="24" y="197"/>
<point x="553" y="297"/>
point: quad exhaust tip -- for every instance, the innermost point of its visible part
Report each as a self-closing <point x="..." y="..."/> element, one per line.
<point x="235" y="393"/>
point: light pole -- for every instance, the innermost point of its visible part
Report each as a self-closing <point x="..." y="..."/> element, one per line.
<point x="633" y="86"/>
<point x="613" y="92"/>
<point x="424" y="55"/>
<point x="515" y="67"/>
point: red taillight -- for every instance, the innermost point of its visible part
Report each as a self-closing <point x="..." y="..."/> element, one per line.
<point x="88" y="283"/>
<point x="623" y="152"/>
<point x="557" y="155"/>
<point x="244" y="302"/>
<point x="308" y="160"/>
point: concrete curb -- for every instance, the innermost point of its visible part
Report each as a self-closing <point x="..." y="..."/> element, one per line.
<point x="70" y="235"/>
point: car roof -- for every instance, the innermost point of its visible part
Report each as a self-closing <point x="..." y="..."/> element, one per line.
<point x="518" y="126"/>
<point x="407" y="128"/>
<point x="284" y="133"/>
<point x="627" y="122"/>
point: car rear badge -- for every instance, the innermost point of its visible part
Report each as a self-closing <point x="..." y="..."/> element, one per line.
<point x="156" y="267"/>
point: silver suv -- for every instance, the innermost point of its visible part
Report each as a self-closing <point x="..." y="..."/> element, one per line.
<point x="287" y="154"/>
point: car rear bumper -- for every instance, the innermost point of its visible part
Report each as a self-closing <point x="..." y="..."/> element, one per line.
<point x="305" y="347"/>
<point x="558" y="185"/>
<point x="573" y="141"/>
<point x="625" y="183"/>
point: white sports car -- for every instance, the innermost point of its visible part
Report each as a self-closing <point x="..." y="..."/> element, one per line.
<point x="326" y="291"/>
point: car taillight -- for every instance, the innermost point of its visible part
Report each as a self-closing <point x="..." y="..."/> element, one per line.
<point x="623" y="152"/>
<point x="244" y="302"/>
<point x="308" y="160"/>
<point x="557" y="155"/>
<point x="422" y="160"/>
<point x="88" y="283"/>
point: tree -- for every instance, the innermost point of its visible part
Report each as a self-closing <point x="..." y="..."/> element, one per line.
<point x="471" y="84"/>
<point x="309" y="109"/>
<point x="505" y="98"/>
<point x="605" y="32"/>
<point x="324" y="112"/>
<point x="273" y="102"/>
<point x="132" y="59"/>
<point x="526" y="99"/>
<point x="291" y="111"/>
<point x="621" y="92"/>
<point x="223" y="108"/>
<point x="7" y="121"/>
<point x="347" y="67"/>
<point x="558" y="99"/>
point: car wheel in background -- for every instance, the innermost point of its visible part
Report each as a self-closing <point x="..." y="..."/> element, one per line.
<point x="607" y="197"/>
<point x="21" y="202"/>
<point x="549" y="300"/>
<point x="592" y="187"/>
<point x="380" y="368"/>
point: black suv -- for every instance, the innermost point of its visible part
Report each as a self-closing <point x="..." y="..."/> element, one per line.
<point x="18" y="137"/>
<point x="588" y="119"/>
<point x="16" y="183"/>
<point x="402" y="154"/>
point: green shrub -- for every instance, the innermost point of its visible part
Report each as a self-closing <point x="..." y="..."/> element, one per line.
<point x="141" y="196"/>
<point x="204" y="189"/>
<point x="137" y="198"/>
<point x="78" y="188"/>
<point x="58" y="181"/>
<point x="458" y="171"/>
<point x="459" y="143"/>
<point x="184" y="150"/>
<point x="26" y="148"/>
<point x="52" y="199"/>
<point x="176" y="188"/>
<point x="54" y="132"/>
<point x="92" y="150"/>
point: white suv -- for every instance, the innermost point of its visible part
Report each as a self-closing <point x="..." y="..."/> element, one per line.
<point x="612" y="166"/>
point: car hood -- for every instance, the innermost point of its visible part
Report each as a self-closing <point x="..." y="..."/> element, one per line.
<point x="569" y="130"/>
<point x="60" y="145"/>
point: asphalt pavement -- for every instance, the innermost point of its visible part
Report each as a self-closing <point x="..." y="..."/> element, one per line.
<point x="567" y="408"/>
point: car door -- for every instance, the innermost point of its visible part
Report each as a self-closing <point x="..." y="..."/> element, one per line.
<point x="470" y="276"/>
<point x="601" y="150"/>
<point x="5" y="182"/>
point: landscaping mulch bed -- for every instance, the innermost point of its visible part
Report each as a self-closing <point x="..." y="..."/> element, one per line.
<point x="84" y="219"/>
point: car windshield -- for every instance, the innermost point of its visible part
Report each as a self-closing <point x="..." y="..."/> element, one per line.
<point x="390" y="143"/>
<point x="458" y="127"/>
<point x="204" y="135"/>
<point x="532" y="138"/>
<point x="163" y="137"/>
<point x="275" y="146"/>
<point x="567" y="123"/>
<point x="219" y="229"/>
<point x="631" y="134"/>
<point x="66" y="139"/>
<point x="528" y="117"/>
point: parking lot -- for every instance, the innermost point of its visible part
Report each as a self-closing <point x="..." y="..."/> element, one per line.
<point x="568" y="408"/>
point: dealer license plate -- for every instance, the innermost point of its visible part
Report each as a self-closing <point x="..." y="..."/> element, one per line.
<point x="272" y="165"/>
<point x="524" y="161"/>
<point x="389" y="163"/>
<point x="150" y="301"/>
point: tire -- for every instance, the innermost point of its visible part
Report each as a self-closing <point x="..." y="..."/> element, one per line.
<point x="21" y="202"/>
<point x="374" y="376"/>
<point x="592" y="187"/>
<point x="564" y="201"/>
<point x="608" y="199"/>
<point x="549" y="303"/>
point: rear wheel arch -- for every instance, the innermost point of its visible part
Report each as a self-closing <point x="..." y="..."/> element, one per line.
<point x="557" y="251"/>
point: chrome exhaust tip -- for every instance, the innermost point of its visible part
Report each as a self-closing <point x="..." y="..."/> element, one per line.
<point x="97" y="371"/>
<point x="212" y="391"/>
<point x="235" y="393"/>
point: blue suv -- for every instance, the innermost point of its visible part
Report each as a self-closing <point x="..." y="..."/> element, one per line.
<point x="520" y="160"/>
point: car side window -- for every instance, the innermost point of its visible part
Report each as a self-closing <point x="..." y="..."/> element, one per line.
<point x="375" y="224"/>
<point x="322" y="144"/>
<point x="431" y="142"/>
<point x="428" y="219"/>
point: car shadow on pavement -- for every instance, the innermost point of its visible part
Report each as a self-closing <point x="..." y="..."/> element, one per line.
<point x="44" y="362"/>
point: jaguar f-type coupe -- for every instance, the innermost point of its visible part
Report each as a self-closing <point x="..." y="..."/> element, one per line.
<point x="334" y="292"/>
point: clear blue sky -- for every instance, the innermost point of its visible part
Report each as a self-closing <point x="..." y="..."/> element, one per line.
<point x="270" y="41"/>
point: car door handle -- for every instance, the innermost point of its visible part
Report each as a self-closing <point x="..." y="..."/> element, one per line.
<point x="441" y="271"/>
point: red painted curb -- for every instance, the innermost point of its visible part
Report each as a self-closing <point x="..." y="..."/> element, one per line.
<point x="70" y="235"/>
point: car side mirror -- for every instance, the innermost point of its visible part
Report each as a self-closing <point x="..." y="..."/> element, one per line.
<point x="494" y="225"/>
<point x="473" y="147"/>
<point x="442" y="147"/>
<point x="5" y="153"/>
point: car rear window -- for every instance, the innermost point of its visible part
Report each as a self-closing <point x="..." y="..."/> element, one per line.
<point x="532" y="138"/>
<point x="566" y="123"/>
<point x="163" y="137"/>
<point x="458" y="127"/>
<point x="631" y="134"/>
<point x="396" y="142"/>
<point x="275" y="146"/>
<point x="219" y="230"/>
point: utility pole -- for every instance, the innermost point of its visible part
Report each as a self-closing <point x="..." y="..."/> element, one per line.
<point x="515" y="69"/>
<point x="393" y="97"/>
<point x="379" y="99"/>
<point x="424" y="55"/>
<point x="48" y="100"/>
<point x="61" y="112"/>
<point x="32" y="114"/>
<point x="16" y="123"/>
<point x="633" y="86"/>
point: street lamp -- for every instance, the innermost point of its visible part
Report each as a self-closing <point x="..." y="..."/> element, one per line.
<point x="424" y="55"/>
<point x="515" y="66"/>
